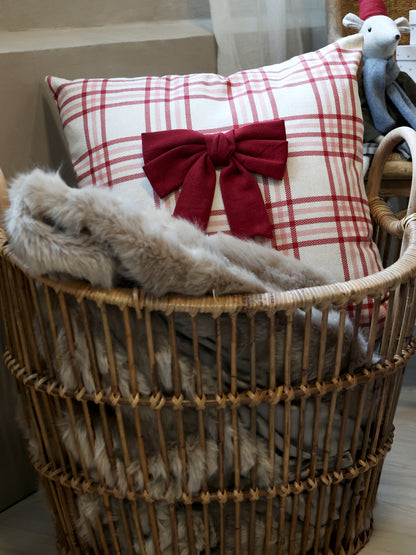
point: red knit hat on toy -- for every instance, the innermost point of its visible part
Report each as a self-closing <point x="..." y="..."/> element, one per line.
<point x="371" y="7"/>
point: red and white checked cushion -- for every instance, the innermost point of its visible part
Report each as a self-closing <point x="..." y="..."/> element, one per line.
<point x="319" y="210"/>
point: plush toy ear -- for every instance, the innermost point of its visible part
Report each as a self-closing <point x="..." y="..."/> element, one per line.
<point x="353" y="21"/>
<point x="402" y="24"/>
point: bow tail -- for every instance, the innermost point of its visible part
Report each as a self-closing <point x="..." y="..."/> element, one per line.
<point x="197" y="193"/>
<point x="243" y="202"/>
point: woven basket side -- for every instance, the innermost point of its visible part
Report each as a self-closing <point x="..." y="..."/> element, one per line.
<point x="118" y="441"/>
<point x="240" y="424"/>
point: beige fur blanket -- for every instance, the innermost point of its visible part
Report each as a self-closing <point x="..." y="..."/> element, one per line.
<point x="117" y="236"/>
<point x="113" y="237"/>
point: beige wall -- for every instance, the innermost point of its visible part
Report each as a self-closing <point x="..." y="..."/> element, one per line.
<point x="17" y="477"/>
<point x="79" y="38"/>
<point x="28" y="14"/>
<point x="153" y="37"/>
<point x="30" y="134"/>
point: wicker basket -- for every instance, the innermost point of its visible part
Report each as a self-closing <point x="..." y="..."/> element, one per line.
<point x="99" y="443"/>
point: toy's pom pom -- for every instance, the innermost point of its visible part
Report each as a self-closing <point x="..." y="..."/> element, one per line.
<point x="369" y="8"/>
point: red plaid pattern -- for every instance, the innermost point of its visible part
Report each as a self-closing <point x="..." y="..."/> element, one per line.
<point x="319" y="210"/>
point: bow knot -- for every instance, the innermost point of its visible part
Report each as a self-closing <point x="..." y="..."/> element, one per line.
<point x="187" y="159"/>
<point x="220" y="147"/>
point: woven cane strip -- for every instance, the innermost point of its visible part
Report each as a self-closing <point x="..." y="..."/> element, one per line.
<point x="87" y="486"/>
<point x="272" y="397"/>
<point x="338" y="294"/>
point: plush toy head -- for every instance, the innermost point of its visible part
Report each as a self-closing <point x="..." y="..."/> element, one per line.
<point x="381" y="34"/>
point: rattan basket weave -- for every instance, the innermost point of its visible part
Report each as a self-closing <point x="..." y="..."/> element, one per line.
<point x="315" y="501"/>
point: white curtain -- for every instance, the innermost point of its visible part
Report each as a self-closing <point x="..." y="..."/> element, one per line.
<point x="254" y="33"/>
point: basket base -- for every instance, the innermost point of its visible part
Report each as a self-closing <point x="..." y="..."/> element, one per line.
<point x="354" y="547"/>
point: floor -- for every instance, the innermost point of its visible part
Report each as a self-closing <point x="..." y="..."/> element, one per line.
<point x="26" y="528"/>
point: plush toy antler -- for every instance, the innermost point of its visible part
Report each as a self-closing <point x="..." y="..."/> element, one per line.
<point x="388" y="95"/>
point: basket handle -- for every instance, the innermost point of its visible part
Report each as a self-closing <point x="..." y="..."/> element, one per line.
<point x="379" y="209"/>
<point x="383" y="151"/>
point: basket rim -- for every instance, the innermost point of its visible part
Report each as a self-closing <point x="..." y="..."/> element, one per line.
<point x="338" y="294"/>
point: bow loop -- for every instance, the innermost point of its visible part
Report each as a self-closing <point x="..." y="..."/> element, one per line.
<point x="220" y="147"/>
<point x="187" y="158"/>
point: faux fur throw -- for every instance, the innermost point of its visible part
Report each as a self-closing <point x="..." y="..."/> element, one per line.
<point x="116" y="236"/>
<point x="108" y="236"/>
<point x="113" y="237"/>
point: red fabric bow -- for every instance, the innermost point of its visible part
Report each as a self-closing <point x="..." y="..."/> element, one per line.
<point x="182" y="157"/>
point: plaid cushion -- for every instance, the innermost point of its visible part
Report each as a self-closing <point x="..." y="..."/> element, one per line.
<point x="318" y="210"/>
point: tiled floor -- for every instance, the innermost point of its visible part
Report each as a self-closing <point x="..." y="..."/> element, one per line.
<point x="395" y="512"/>
<point x="26" y="528"/>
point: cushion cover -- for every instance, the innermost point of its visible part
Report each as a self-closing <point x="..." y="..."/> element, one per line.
<point x="318" y="210"/>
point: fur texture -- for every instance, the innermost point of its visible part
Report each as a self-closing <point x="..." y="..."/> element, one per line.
<point x="116" y="236"/>
<point x="107" y="236"/>
<point x="102" y="234"/>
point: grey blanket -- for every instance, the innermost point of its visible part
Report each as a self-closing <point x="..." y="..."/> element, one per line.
<point x="112" y="237"/>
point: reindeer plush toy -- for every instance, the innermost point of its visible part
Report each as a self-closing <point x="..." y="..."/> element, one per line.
<point x="388" y="95"/>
